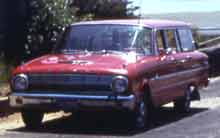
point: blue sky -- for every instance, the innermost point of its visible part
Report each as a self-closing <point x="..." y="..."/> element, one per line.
<point x="173" y="6"/>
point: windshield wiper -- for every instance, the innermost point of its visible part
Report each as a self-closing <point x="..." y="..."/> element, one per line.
<point x="74" y="51"/>
<point x="104" y="51"/>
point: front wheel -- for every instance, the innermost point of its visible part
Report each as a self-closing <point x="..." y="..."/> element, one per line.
<point x="183" y="104"/>
<point x="32" y="119"/>
<point x="141" y="115"/>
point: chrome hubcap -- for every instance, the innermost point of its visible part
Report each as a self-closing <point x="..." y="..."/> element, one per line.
<point x="141" y="113"/>
<point x="188" y="97"/>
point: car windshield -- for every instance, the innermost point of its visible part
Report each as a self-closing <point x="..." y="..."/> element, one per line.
<point x="113" y="38"/>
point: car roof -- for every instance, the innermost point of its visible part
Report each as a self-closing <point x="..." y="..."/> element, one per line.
<point x="150" y="23"/>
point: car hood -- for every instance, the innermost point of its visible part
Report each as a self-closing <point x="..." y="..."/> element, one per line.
<point x="79" y="63"/>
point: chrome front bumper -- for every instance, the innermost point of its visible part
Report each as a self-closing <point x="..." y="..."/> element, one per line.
<point x="70" y="101"/>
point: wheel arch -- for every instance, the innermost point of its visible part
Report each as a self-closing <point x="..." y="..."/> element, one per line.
<point x="147" y="93"/>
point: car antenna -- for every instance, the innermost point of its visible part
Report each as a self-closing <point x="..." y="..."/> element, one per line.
<point x="140" y="11"/>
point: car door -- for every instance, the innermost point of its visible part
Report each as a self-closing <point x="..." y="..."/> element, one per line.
<point x="187" y="48"/>
<point x="189" y="62"/>
<point x="164" y="83"/>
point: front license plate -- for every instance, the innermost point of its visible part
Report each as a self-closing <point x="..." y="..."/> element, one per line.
<point x="36" y="101"/>
<point x="66" y="102"/>
<point x="97" y="103"/>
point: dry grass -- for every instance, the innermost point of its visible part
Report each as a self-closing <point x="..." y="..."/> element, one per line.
<point x="4" y="89"/>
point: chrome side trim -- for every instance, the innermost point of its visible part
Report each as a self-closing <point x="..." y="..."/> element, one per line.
<point x="172" y="78"/>
<point x="163" y="77"/>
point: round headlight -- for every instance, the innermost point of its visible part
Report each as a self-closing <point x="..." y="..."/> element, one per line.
<point x="20" y="82"/>
<point x="119" y="84"/>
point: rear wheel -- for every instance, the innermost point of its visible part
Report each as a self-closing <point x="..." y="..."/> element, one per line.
<point x="32" y="119"/>
<point x="183" y="104"/>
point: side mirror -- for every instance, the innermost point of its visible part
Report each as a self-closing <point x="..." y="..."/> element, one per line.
<point x="196" y="45"/>
<point x="162" y="52"/>
<point x="168" y="51"/>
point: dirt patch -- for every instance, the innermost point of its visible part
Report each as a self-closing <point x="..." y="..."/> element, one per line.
<point x="7" y="114"/>
<point x="4" y="89"/>
<point x="5" y="109"/>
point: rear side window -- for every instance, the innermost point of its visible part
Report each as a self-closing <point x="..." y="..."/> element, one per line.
<point x="186" y="40"/>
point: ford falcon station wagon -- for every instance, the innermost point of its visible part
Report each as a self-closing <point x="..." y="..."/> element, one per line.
<point x="128" y="65"/>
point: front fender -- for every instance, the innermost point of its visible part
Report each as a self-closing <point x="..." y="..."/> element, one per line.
<point x="139" y="87"/>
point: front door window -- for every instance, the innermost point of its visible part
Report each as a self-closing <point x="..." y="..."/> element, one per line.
<point x="167" y="40"/>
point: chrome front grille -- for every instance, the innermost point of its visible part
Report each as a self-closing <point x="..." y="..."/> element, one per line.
<point x="70" y="81"/>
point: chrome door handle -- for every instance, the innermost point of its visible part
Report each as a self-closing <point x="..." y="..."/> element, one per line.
<point x="188" y="58"/>
<point x="183" y="61"/>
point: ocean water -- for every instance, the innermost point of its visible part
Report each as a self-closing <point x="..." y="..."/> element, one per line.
<point x="175" y="6"/>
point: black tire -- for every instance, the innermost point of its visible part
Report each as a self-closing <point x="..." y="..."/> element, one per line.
<point x="183" y="104"/>
<point x="76" y="116"/>
<point x="32" y="119"/>
<point x="142" y="113"/>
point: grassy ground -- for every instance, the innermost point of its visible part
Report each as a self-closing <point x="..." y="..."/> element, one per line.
<point x="4" y="89"/>
<point x="4" y="79"/>
<point x="4" y="71"/>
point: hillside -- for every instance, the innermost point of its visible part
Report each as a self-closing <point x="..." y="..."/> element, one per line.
<point x="200" y="19"/>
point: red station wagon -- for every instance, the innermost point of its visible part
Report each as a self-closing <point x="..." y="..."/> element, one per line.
<point x="132" y="65"/>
